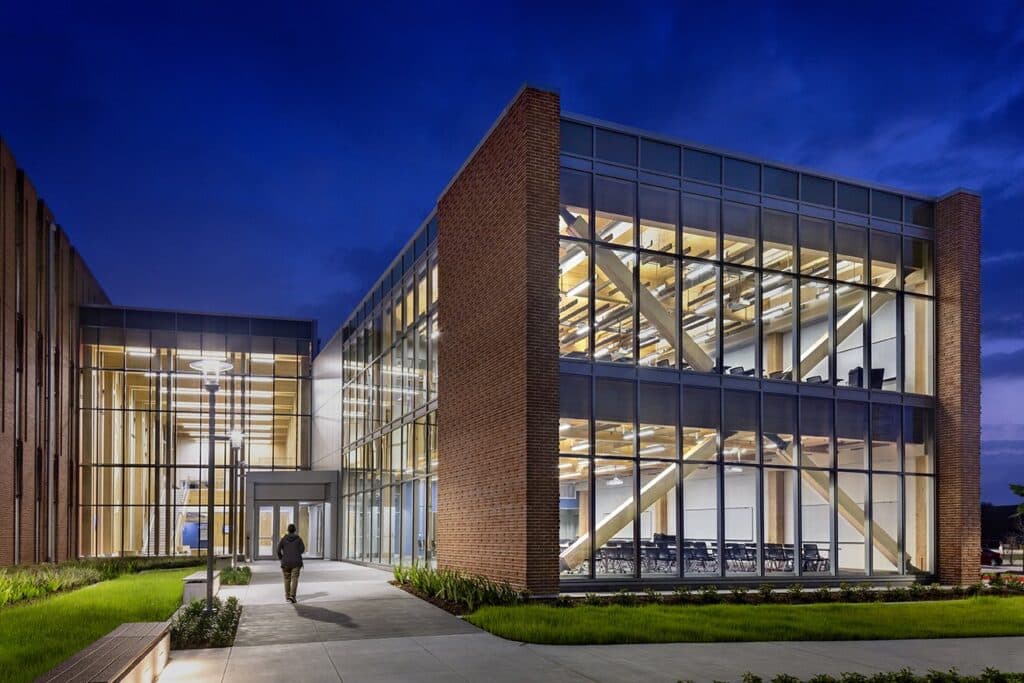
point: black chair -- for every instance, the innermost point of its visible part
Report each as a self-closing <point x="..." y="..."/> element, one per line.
<point x="877" y="377"/>
<point x="856" y="377"/>
<point x="813" y="560"/>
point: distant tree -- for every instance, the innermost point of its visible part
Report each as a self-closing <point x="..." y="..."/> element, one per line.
<point x="1018" y="489"/>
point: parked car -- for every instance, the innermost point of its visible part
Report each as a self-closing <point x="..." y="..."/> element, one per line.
<point x="991" y="557"/>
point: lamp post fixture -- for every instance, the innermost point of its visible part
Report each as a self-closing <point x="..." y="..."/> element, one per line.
<point x="212" y="369"/>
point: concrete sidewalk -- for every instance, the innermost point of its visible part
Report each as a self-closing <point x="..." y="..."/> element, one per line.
<point x="350" y="625"/>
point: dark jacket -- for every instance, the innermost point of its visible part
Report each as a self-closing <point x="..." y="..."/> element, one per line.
<point x="289" y="551"/>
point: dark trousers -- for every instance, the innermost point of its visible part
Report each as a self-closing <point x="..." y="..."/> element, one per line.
<point x="291" y="581"/>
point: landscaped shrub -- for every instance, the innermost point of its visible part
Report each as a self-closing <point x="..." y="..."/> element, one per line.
<point x="455" y="588"/>
<point x="194" y="627"/>
<point x="37" y="581"/>
<point x="902" y="676"/>
<point x="235" y="576"/>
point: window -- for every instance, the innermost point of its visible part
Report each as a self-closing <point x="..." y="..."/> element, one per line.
<point x="659" y="415"/>
<point x="815" y="432"/>
<point x="779" y="500"/>
<point x="616" y="147"/>
<point x="884" y="358"/>
<point x="919" y="522"/>
<point x="574" y="299"/>
<point x="658" y="317"/>
<point x="851" y="306"/>
<point x="852" y="489"/>
<point x="918" y="272"/>
<point x="700" y="423"/>
<point x="779" y="427"/>
<point x="918" y="345"/>
<point x="817" y="190"/>
<point x="815" y="247"/>
<point x="659" y="157"/>
<point x="700" y="226"/>
<point x="614" y="210"/>
<point x="885" y="515"/>
<point x="740" y="429"/>
<point x="851" y="253"/>
<point x="613" y="305"/>
<point x="577" y="138"/>
<point x="918" y="441"/>
<point x="739" y="243"/>
<point x="700" y="315"/>
<point x="702" y="166"/>
<point x="574" y="421"/>
<point x="815" y="331"/>
<point x="700" y="520"/>
<point x="918" y="212"/>
<point x="853" y="198"/>
<point x="885" y="259"/>
<point x="574" y="204"/>
<point x="816" y="522"/>
<point x="614" y="413"/>
<point x="777" y="326"/>
<point x="742" y="175"/>
<point x="780" y="182"/>
<point x="885" y="437"/>
<point x="851" y="435"/>
<point x="739" y="322"/>
<point x="779" y="237"/>
<point x="659" y="218"/>
<point x="886" y="205"/>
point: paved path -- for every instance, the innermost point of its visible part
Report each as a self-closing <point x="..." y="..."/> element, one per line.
<point x="350" y="625"/>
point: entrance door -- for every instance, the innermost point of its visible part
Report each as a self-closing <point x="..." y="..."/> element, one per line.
<point x="273" y="521"/>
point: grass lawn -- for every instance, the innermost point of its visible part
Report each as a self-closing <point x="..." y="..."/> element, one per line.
<point x="583" y="625"/>
<point x="37" y="636"/>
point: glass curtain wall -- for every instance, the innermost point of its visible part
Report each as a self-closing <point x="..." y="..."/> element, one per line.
<point x="389" y="431"/>
<point x="144" y="424"/>
<point x="802" y="305"/>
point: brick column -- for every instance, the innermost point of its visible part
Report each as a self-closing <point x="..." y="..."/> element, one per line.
<point x="498" y="362"/>
<point x="958" y="394"/>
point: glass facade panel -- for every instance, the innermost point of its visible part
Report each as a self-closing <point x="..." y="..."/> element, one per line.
<point x="816" y="430"/>
<point x="918" y="266"/>
<point x="574" y="204"/>
<point x="851" y="253"/>
<point x="739" y="227"/>
<point x="884" y="350"/>
<point x="885" y="259"/>
<point x="815" y="331"/>
<point x="885" y="519"/>
<point x="778" y="326"/>
<point x="613" y="305"/>
<point x="699" y="301"/>
<point x="778" y="497"/>
<point x="919" y="522"/>
<point x="779" y="240"/>
<point x="701" y="223"/>
<point x="574" y="299"/>
<point x="852" y="499"/>
<point x="918" y="345"/>
<point x="659" y="219"/>
<point x="658" y="311"/>
<point x="815" y="247"/>
<point x="614" y="210"/>
<point x="739" y="322"/>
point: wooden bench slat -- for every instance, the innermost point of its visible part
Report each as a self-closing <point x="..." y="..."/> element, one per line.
<point x="111" y="656"/>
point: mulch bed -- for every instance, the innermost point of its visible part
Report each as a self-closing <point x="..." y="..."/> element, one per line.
<point x="452" y="607"/>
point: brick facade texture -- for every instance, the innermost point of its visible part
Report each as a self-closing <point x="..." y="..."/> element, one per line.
<point x="498" y="366"/>
<point x="38" y="374"/>
<point x="958" y="399"/>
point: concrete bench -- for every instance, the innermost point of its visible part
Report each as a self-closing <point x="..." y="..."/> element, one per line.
<point x="135" y="653"/>
<point x="195" y="586"/>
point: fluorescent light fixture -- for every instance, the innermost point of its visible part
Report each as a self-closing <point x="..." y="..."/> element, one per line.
<point x="652" y="449"/>
<point x="614" y="481"/>
<point x="646" y="431"/>
<point x="562" y="426"/>
<point x="582" y="446"/>
<point x="579" y="289"/>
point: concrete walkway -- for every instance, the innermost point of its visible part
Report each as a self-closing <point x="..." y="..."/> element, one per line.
<point x="350" y="625"/>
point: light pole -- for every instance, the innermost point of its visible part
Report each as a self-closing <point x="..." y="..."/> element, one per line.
<point x="235" y="437"/>
<point x="212" y="369"/>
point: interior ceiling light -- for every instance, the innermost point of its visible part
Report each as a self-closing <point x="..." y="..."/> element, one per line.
<point x="614" y="481"/>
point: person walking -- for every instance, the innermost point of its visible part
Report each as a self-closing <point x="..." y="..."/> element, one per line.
<point x="289" y="551"/>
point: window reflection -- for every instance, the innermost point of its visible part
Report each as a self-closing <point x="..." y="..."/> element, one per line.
<point x="701" y="222"/>
<point x="613" y="211"/>
<point x="659" y="218"/>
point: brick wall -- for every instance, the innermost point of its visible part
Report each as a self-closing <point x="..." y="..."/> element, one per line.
<point x="958" y="399"/>
<point x="38" y="507"/>
<point x="498" y="362"/>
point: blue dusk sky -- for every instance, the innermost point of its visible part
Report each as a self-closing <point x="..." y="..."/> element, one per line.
<point x="273" y="157"/>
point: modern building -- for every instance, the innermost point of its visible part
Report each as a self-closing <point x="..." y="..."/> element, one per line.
<point x="606" y="358"/>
